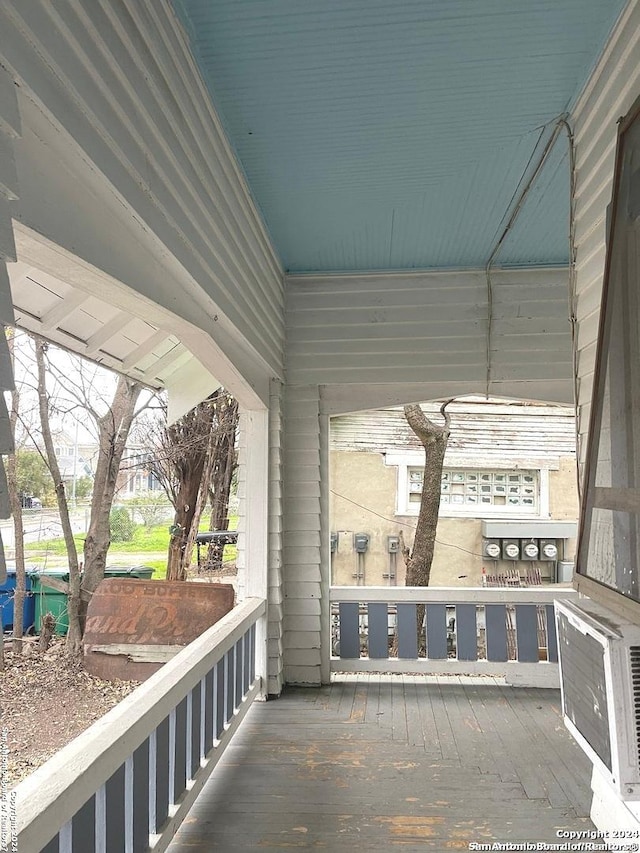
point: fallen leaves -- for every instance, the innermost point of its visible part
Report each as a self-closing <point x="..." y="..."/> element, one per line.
<point x="46" y="701"/>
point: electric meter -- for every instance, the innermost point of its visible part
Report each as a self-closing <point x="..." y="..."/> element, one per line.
<point x="549" y="550"/>
<point x="491" y="549"/>
<point x="510" y="549"/>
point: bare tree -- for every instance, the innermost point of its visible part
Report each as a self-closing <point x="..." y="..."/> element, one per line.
<point x="74" y="635"/>
<point x="434" y="438"/>
<point x="225" y="461"/>
<point x="191" y="458"/>
<point x="217" y="477"/>
<point x="190" y="539"/>
<point x="180" y="470"/>
<point x="112" y="419"/>
<point x="113" y="431"/>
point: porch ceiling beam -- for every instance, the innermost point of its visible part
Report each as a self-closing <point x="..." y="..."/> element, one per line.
<point x="106" y="332"/>
<point x="63" y="309"/>
<point x="170" y="358"/>
<point x="144" y="349"/>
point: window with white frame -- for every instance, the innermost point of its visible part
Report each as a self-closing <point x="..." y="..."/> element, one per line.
<point x="473" y="490"/>
<point x="63" y="450"/>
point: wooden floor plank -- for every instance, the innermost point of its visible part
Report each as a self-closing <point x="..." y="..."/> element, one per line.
<point x="445" y="734"/>
<point x="547" y="728"/>
<point x="399" y="710"/>
<point x="347" y="696"/>
<point x="415" y="735"/>
<point x="373" y="699"/>
<point x="531" y="768"/>
<point x="427" y="720"/>
<point x="465" y="727"/>
<point x="499" y="759"/>
<point x="376" y="763"/>
<point x="359" y="706"/>
<point x="385" y="708"/>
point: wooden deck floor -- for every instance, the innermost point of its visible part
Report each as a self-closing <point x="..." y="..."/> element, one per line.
<point x="377" y="763"/>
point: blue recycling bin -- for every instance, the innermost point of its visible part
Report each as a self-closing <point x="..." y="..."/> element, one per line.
<point x="7" y="595"/>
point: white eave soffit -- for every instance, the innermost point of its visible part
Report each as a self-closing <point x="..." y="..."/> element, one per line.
<point x="93" y="328"/>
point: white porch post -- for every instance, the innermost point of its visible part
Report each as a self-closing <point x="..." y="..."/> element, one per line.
<point x="302" y="536"/>
<point x="253" y="488"/>
<point x="10" y="129"/>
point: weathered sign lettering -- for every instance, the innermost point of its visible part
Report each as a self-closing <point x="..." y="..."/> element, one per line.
<point x="128" y="611"/>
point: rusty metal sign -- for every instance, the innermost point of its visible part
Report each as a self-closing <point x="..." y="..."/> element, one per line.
<point x="133" y="626"/>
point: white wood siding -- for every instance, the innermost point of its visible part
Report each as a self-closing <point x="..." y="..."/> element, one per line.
<point x="325" y="550"/>
<point x="480" y="430"/>
<point x="431" y="329"/>
<point x="613" y="88"/>
<point x="117" y="82"/>
<point x="302" y="537"/>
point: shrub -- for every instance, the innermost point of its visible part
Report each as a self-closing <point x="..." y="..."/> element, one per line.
<point x="121" y="525"/>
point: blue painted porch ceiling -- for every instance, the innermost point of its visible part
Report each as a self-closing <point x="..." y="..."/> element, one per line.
<point x="395" y="134"/>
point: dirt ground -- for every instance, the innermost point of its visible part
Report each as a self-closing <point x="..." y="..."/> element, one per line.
<point x="45" y="702"/>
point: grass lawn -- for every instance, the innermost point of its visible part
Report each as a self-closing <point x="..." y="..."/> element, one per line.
<point x="145" y="540"/>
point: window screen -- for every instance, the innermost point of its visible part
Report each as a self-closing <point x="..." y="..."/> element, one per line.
<point x="609" y="550"/>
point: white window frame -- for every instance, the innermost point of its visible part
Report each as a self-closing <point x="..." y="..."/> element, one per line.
<point x="416" y="460"/>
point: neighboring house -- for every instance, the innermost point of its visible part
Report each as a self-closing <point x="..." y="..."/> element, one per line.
<point x="75" y="459"/>
<point x="134" y="477"/>
<point x="510" y="474"/>
<point x="80" y="460"/>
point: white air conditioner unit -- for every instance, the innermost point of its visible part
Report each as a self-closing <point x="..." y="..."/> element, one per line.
<point x="599" y="656"/>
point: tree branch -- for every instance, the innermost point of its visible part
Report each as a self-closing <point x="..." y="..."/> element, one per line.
<point x="427" y="430"/>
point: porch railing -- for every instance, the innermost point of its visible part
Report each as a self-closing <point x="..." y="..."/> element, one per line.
<point x="476" y="631"/>
<point x="127" y="783"/>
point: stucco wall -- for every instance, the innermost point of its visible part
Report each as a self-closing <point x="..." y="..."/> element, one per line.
<point x="563" y="493"/>
<point x="363" y="500"/>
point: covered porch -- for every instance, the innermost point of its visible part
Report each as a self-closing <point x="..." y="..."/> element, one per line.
<point x="397" y="747"/>
<point x="382" y="761"/>
<point x="393" y="207"/>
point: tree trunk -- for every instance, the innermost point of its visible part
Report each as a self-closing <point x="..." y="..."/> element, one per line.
<point x="419" y="558"/>
<point x="18" y="532"/>
<point x="222" y="476"/>
<point x="16" y="512"/>
<point x="200" y="500"/>
<point x="74" y="636"/>
<point x="46" y="632"/>
<point x="185" y="509"/>
<point x="434" y="439"/>
<point x="186" y="459"/>
<point x="113" y="432"/>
